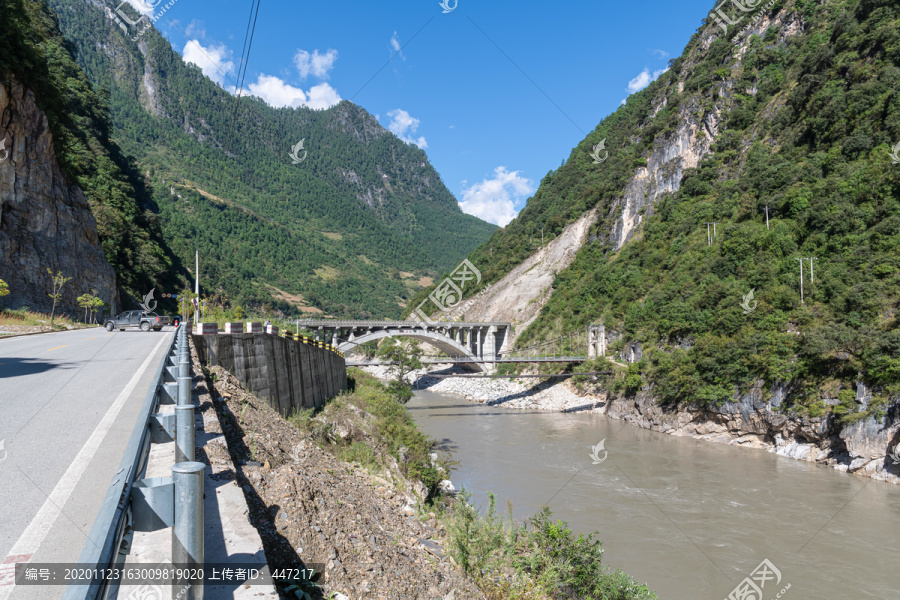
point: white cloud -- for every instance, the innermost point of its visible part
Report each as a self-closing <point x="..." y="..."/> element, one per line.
<point x="404" y="126"/>
<point x="643" y="79"/>
<point x="195" y="29"/>
<point x="395" y="44"/>
<point x="145" y="7"/>
<point x="315" y="63"/>
<point x="661" y="53"/>
<point x="494" y="200"/>
<point x="322" y="96"/>
<point x="213" y="60"/>
<point x="275" y="92"/>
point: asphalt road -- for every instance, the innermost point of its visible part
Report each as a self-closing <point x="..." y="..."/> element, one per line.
<point x="68" y="404"/>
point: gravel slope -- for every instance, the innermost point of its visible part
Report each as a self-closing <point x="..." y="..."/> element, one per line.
<point x="315" y="510"/>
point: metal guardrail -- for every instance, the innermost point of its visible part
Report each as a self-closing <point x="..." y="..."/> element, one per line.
<point x="136" y="504"/>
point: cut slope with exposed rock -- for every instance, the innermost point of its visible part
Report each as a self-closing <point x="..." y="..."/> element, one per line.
<point x="520" y="295"/>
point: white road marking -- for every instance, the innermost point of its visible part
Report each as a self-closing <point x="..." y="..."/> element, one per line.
<point x="33" y="536"/>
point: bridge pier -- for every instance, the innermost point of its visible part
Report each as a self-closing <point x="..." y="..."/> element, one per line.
<point x="596" y="340"/>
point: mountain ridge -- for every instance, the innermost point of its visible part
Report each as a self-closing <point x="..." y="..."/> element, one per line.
<point x="798" y="114"/>
<point x="356" y="179"/>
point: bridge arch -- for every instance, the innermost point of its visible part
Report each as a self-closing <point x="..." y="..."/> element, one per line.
<point x="438" y="340"/>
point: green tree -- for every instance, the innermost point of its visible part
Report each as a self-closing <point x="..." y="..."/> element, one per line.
<point x="85" y="301"/>
<point x="403" y="360"/>
<point x="59" y="280"/>
<point x="4" y="288"/>
<point x="96" y="305"/>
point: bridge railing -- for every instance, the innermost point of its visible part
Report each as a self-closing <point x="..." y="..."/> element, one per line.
<point x="570" y="347"/>
<point x="134" y="504"/>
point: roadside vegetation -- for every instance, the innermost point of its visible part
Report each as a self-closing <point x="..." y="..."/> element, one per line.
<point x="369" y="425"/>
<point x="23" y="320"/>
<point x="538" y="559"/>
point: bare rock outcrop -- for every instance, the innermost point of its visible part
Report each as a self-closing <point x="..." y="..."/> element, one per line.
<point x="45" y="221"/>
<point x="864" y="447"/>
<point x="520" y="295"/>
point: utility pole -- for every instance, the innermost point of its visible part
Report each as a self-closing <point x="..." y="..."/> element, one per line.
<point x="542" y="236"/>
<point x="197" y="273"/>
<point x="767" y="217"/>
<point x="708" y="239"/>
<point x="801" y="279"/>
<point x="198" y="315"/>
<point x="812" y="276"/>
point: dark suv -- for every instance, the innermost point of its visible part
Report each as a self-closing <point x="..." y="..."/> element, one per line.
<point x="137" y="318"/>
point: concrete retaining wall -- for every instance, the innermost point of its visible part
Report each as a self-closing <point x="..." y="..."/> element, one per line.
<point x="288" y="374"/>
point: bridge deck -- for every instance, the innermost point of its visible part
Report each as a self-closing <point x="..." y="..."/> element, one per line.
<point x="335" y="324"/>
<point x="465" y="359"/>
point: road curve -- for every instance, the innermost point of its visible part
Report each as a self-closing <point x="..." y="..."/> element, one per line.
<point x="68" y="404"/>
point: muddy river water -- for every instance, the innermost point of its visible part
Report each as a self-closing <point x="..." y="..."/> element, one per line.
<point x="692" y="519"/>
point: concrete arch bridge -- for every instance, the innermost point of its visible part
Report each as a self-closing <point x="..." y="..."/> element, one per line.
<point x="474" y="345"/>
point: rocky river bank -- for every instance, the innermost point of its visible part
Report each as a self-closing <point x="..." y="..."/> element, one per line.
<point x="870" y="447"/>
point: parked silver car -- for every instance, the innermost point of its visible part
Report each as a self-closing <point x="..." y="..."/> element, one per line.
<point x="137" y="318"/>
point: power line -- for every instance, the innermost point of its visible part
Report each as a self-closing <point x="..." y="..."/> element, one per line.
<point x="242" y="65"/>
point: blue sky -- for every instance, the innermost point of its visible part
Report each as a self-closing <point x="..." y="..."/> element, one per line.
<point x="497" y="93"/>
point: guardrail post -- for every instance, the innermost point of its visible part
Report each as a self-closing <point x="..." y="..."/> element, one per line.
<point x="184" y="390"/>
<point x="184" y="433"/>
<point x="187" y="533"/>
<point x="184" y="361"/>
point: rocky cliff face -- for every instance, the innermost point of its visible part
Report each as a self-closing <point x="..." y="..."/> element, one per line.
<point x="45" y="221"/>
<point x="699" y="124"/>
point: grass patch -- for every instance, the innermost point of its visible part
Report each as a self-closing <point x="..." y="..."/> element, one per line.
<point x="537" y="559"/>
<point x="366" y="425"/>
<point x="26" y="318"/>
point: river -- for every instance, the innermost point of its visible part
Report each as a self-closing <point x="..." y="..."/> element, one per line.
<point x="690" y="518"/>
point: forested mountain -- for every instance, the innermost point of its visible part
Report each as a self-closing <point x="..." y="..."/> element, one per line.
<point x="349" y="230"/>
<point x="795" y="110"/>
